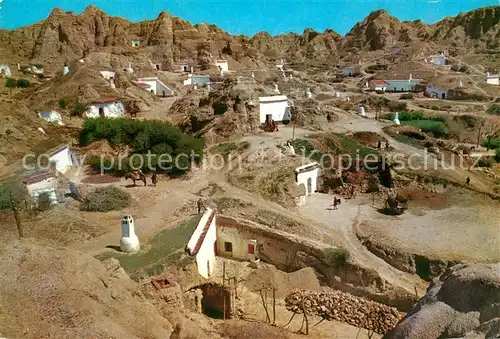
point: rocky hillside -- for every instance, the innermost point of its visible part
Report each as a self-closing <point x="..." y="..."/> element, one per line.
<point x="64" y="36"/>
<point x="462" y="303"/>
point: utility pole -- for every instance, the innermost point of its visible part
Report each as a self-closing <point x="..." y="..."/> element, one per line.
<point x="16" y="216"/>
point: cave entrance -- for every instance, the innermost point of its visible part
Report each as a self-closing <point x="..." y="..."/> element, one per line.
<point x="216" y="301"/>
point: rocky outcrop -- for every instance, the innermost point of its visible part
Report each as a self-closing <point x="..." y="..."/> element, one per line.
<point x="464" y="302"/>
<point x="346" y="308"/>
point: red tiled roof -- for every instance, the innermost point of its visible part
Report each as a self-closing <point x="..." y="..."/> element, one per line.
<point x="37" y="178"/>
<point x="201" y="239"/>
<point x="378" y="82"/>
<point x="142" y="84"/>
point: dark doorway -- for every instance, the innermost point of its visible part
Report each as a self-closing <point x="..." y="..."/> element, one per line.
<point x="309" y="185"/>
<point x="216" y="300"/>
<point x="443" y="95"/>
<point x="158" y="67"/>
<point x="164" y="94"/>
<point x="101" y="112"/>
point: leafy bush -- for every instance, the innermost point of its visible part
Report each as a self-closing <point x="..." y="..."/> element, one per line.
<point x="40" y="76"/>
<point x="491" y="143"/>
<point x="10" y="83"/>
<point x="336" y="256"/>
<point x="493" y="109"/>
<point x="23" y="83"/>
<point x="459" y="68"/>
<point x="436" y="128"/>
<point x="44" y="202"/>
<point x="79" y="109"/>
<point x="406" y="96"/>
<point x="168" y="147"/>
<point x="11" y="188"/>
<point x="106" y="199"/>
<point x="497" y="154"/>
<point x="219" y="108"/>
<point x="62" y="103"/>
<point x="485" y="162"/>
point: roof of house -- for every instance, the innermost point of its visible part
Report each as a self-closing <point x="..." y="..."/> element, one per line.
<point x="202" y="230"/>
<point x="378" y="82"/>
<point x="37" y="177"/>
<point x="306" y="168"/>
<point x="148" y="79"/>
<point x="105" y="101"/>
<point x="492" y="76"/>
<point x="273" y="98"/>
<point x="55" y="150"/>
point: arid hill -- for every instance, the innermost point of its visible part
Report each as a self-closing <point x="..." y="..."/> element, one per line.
<point x="65" y="36"/>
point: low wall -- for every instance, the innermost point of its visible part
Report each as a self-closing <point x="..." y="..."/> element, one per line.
<point x="290" y="253"/>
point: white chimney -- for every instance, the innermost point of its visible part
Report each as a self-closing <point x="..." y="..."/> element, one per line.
<point x="396" y="119"/>
<point x="276" y="89"/>
<point x="129" y="241"/>
<point x="253" y="75"/>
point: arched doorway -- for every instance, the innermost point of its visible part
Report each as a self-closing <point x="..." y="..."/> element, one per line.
<point x="443" y="95"/>
<point x="101" y="112"/>
<point x="309" y="185"/>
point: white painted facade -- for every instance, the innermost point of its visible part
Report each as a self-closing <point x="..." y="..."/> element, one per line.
<point x="492" y="79"/>
<point x="157" y="87"/>
<point x="231" y="243"/>
<point x="109" y="110"/>
<point x="194" y="79"/>
<point x="378" y="86"/>
<point x="202" y="243"/>
<point x="129" y="241"/>
<point x="61" y="158"/>
<point x="439" y="60"/>
<point x="350" y="71"/>
<point x="136" y="42"/>
<point x="52" y="116"/>
<point x="275" y="108"/>
<point x="65" y="70"/>
<point x="37" y="188"/>
<point x="222" y="65"/>
<point x="308" y="176"/>
<point x="108" y="75"/>
<point x="5" y="70"/>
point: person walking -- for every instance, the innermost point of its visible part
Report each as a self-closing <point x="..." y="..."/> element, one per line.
<point x="467" y="181"/>
<point x="200" y="205"/>
<point x="154" y="179"/>
<point x="334" y="203"/>
<point x="379" y="144"/>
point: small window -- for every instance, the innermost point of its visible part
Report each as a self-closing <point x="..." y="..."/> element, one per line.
<point x="228" y="247"/>
<point x="251" y="248"/>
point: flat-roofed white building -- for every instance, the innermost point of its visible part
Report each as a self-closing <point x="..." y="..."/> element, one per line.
<point x="277" y="108"/>
<point x="156" y="86"/>
<point x="492" y="79"/>
<point x="222" y="65"/>
<point x="196" y="79"/>
<point x="307" y="175"/>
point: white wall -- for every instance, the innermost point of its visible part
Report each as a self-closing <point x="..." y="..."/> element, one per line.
<point x="238" y="241"/>
<point x="111" y="110"/>
<point x="52" y="116"/>
<point x="108" y="75"/>
<point x="62" y="160"/>
<point x="493" y="81"/>
<point x="5" y="70"/>
<point x="278" y="109"/>
<point x="223" y="65"/>
<point x="205" y="258"/>
<point x="44" y="185"/>
<point x="197" y="80"/>
<point x="302" y="178"/>
<point x="157" y="87"/>
<point x="438" y="60"/>
<point x="377" y="87"/>
<point x="349" y="71"/>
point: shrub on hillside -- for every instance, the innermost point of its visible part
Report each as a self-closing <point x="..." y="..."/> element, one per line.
<point x="491" y="143"/>
<point x="170" y="149"/>
<point x="79" y="109"/>
<point x="336" y="256"/>
<point x="62" y="103"/>
<point x="12" y="190"/>
<point x="106" y="199"/>
<point x="406" y="96"/>
<point x="23" y="83"/>
<point x="497" y="154"/>
<point x="493" y="109"/>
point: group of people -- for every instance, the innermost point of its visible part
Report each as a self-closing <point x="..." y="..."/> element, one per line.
<point x="379" y="145"/>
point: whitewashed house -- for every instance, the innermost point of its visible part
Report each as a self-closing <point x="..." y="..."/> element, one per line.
<point x="202" y="244"/>
<point x="307" y="175"/>
<point x="439" y="60"/>
<point x="136" y="42"/>
<point x="222" y="65"/>
<point x="52" y="116"/>
<point x="492" y="79"/>
<point x="5" y="70"/>
<point x="37" y="183"/>
<point x="108" y="75"/>
<point x="194" y="79"/>
<point x="215" y="235"/>
<point x="277" y="108"/>
<point x="378" y="85"/>
<point x="106" y="108"/>
<point x="350" y="71"/>
<point x="61" y="158"/>
<point x="156" y="86"/>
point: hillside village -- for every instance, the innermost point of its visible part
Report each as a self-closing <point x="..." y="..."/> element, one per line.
<point x="167" y="180"/>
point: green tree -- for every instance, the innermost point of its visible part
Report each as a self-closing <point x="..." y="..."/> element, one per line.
<point x="79" y="109"/>
<point x="62" y="103"/>
<point x="23" y="83"/>
<point x="10" y="83"/>
<point x="12" y="189"/>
